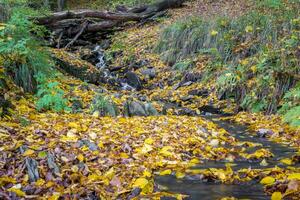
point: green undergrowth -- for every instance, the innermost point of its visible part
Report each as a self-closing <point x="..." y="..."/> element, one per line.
<point x="26" y="60"/>
<point x="50" y="95"/>
<point x="253" y="58"/>
<point x="21" y="47"/>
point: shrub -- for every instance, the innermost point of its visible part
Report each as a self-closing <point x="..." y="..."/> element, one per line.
<point x="50" y="96"/>
<point x="291" y="106"/>
<point x="21" y="47"/>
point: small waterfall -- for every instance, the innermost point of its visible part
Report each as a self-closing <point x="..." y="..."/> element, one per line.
<point x="125" y="86"/>
<point x="101" y="64"/>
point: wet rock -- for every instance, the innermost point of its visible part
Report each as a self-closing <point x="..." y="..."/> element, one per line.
<point x="91" y="145"/>
<point x="186" y="83"/>
<point x="134" y="108"/>
<point x="149" y="72"/>
<point x="139" y="64"/>
<point x="185" y="111"/>
<point x="103" y="106"/>
<point x="210" y="109"/>
<point x="3" y="83"/>
<point x="134" y="193"/>
<point x="32" y="169"/>
<point x="4" y="106"/>
<point x="201" y="93"/>
<point x="133" y="80"/>
<point x="31" y="166"/>
<point x="52" y="164"/>
<point x="105" y="44"/>
<point x="264" y="132"/>
<point x="150" y="110"/>
<point x="192" y="76"/>
<point x="77" y="105"/>
<point x="187" y="98"/>
<point x="142" y="98"/>
<point x="182" y="84"/>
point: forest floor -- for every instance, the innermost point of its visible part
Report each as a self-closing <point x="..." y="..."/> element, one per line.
<point x="83" y="156"/>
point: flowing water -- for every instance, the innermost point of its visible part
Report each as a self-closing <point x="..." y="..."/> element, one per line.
<point x="210" y="190"/>
<point x="101" y="63"/>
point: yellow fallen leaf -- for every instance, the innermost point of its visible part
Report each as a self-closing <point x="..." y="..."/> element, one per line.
<point x="5" y="179"/>
<point x="276" y="196"/>
<point x="40" y="182"/>
<point x="286" y="161"/>
<point x="195" y="161"/>
<point x="80" y="157"/>
<point x="28" y="152"/>
<point x="100" y="145"/>
<point x="165" y="151"/>
<point x="267" y="180"/>
<point x="110" y="173"/>
<point x="75" y="168"/>
<point x="124" y="155"/>
<point x="165" y="172"/>
<point x="70" y="137"/>
<point x="146" y="148"/>
<point x="94" y="177"/>
<point x="149" y="141"/>
<point x="17" y="191"/>
<point x="180" y="175"/>
<point x="140" y="183"/>
<point x="73" y="125"/>
<point x="54" y="196"/>
<point x="294" y="176"/>
<point x="147" y="173"/>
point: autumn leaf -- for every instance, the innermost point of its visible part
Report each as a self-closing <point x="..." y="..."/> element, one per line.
<point x="140" y="183"/>
<point x="17" y="191"/>
<point x="286" y="161"/>
<point x="28" y="152"/>
<point x="165" y="172"/>
<point x="267" y="180"/>
<point x="276" y="196"/>
<point x="294" y="176"/>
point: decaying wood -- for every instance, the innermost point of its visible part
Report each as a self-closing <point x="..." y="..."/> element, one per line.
<point x="69" y="24"/>
<point x="74" y="66"/>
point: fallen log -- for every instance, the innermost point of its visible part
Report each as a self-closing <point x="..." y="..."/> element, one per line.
<point x="74" y="66"/>
<point x="77" y="23"/>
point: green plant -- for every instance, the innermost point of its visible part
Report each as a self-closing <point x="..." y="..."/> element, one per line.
<point x="291" y="106"/>
<point x="21" y="47"/>
<point x="50" y="96"/>
<point x="292" y="116"/>
<point x="252" y="58"/>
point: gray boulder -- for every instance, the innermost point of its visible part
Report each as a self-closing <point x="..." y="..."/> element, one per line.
<point x="136" y="108"/>
<point x="133" y="80"/>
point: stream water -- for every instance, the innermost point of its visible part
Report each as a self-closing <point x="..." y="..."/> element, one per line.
<point x="200" y="190"/>
<point x="209" y="190"/>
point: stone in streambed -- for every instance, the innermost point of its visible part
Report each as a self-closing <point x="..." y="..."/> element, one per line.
<point x="133" y="80"/>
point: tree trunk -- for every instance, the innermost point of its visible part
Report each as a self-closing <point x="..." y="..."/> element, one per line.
<point x="69" y="23"/>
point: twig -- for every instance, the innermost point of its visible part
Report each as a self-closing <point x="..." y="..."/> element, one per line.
<point x="84" y="25"/>
<point x="59" y="38"/>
